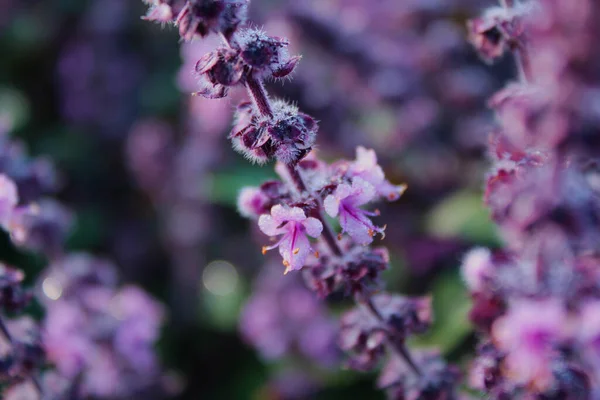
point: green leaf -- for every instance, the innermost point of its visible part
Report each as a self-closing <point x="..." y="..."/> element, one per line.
<point x="227" y="184"/>
<point x="451" y="305"/>
<point x="462" y="215"/>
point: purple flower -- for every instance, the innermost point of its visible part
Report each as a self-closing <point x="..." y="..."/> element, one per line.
<point x="365" y="166"/>
<point x="476" y="268"/>
<point x="345" y="202"/>
<point x="294" y="226"/>
<point x="530" y="335"/>
<point x="252" y="202"/>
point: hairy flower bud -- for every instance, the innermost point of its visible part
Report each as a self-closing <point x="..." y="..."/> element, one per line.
<point x="219" y="70"/>
<point x="201" y="17"/>
<point x="288" y="136"/>
<point x="265" y="54"/>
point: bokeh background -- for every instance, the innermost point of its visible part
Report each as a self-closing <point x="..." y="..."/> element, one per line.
<point x="151" y="177"/>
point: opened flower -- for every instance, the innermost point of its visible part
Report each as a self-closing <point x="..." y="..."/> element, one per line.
<point x="345" y="203"/>
<point x="294" y="226"/>
<point x="365" y="166"/>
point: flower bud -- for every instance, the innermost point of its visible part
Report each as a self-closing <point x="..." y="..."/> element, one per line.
<point x="265" y="54"/>
<point x="288" y="136"/>
<point x="218" y="70"/>
<point x="200" y="17"/>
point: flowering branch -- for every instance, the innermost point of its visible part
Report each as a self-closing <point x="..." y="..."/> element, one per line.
<point x="293" y="209"/>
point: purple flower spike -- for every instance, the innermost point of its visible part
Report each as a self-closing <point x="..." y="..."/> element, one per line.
<point x="345" y="203"/>
<point x="366" y="167"/>
<point x="294" y="226"/>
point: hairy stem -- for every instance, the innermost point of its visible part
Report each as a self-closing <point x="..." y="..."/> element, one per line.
<point x="396" y="344"/>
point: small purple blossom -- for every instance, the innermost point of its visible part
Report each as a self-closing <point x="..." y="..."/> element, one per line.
<point x="294" y="227"/>
<point x="345" y="203"/>
<point x="476" y="268"/>
<point x="529" y="335"/>
<point x="252" y="202"/>
<point x="366" y="167"/>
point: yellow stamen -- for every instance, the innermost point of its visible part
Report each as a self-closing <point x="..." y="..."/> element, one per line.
<point x="371" y="232"/>
<point x="264" y="250"/>
<point x="296" y="250"/>
<point x="317" y="254"/>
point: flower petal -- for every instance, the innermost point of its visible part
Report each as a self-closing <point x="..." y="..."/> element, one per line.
<point x="269" y="225"/>
<point x="359" y="227"/>
<point x="389" y="191"/>
<point x="282" y="214"/>
<point x="313" y="227"/>
<point x="331" y="205"/>
<point x="294" y="248"/>
<point x="362" y="192"/>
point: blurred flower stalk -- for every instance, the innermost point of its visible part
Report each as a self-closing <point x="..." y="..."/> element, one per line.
<point x="536" y="302"/>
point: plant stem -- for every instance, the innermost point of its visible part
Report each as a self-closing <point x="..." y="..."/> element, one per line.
<point x="397" y="345"/>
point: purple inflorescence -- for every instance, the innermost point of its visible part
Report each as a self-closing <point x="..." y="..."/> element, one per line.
<point x="536" y="301"/>
<point x="99" y="336"/>
<point x="293" y="209"/>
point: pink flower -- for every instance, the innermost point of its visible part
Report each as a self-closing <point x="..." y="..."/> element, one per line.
<point x="252" y="202"/>
<point x="293" y="225"/>
<point x="529" y="335"/>
<point x="477" y="267"/>
<point x="345" y="202"/>
<point x="365" y="166"/>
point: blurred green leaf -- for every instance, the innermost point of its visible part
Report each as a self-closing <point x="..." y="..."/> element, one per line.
<point x="451" y="306"/>
<point x="463" y="215"/>
<point x="227" y="184"/>
<point x="222" y="312"/>
<point x="14" y="107"/>
<point x="88" y="231"/>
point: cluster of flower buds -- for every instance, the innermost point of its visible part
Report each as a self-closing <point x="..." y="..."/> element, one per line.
<point x="288" y="135"/>
<point x="498" y="30"/>
<point x="293" y="209"/>
<point x="98" y="335"/>
<point x="537" y="301"/>
<point x="199" y="17"/>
